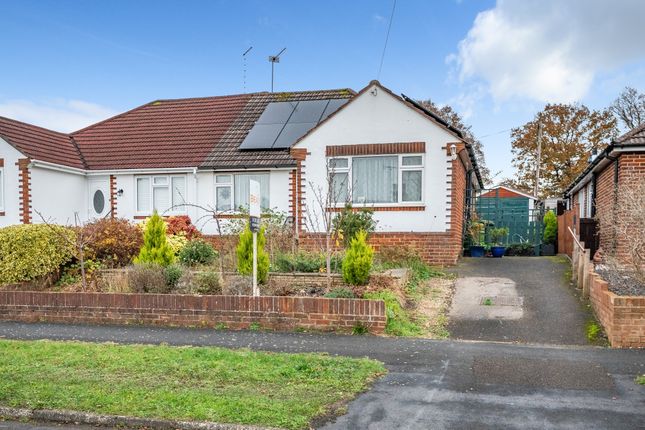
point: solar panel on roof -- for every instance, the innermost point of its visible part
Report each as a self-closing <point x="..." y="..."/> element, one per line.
<point x="333" y="106"/>
<point x="277" y="113"/>
<point x="308" y="111"/>
<point x="291" y="133"/>
<point x="262" y="136"/>
<point x="283" y="123"/>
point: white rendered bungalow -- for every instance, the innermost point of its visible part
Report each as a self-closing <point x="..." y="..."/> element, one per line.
<point x="379" y="150"/>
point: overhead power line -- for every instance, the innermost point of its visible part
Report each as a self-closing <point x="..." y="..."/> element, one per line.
<point x="387" y="37"/>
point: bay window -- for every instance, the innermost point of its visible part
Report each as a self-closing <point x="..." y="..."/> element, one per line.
<point x="382" y="179"/>
<point x="232" y="191"/>
<point x="161" y="193"/>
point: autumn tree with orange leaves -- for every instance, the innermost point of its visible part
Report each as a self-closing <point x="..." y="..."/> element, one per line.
<point x="570" y="132"/>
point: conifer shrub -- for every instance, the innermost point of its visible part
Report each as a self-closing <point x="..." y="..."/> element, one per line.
<point x="155" y="247"/>
<point x="245" y="255"/>
<point x="550" y="227"/>
<point x="358" y="260"/>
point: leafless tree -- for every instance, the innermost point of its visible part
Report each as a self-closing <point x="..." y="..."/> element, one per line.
<point x="629" y="108"/>
<point x="320" y="217"/>
<point x="624" y="228"/>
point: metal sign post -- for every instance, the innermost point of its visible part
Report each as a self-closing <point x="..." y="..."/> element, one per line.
<point x="254" y="225"/>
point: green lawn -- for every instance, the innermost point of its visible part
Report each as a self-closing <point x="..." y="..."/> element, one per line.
<point x="188" y="383"/>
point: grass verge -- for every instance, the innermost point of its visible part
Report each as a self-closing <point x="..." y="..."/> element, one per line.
<point x="180" y="383"/>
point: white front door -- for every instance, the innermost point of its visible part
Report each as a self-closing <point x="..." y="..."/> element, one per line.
<point x="99" y="198"/>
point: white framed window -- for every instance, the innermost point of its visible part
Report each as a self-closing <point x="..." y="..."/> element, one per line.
<point x="232" y="190"/>
<point x="163" y="193"/>
<point x="1" y="189"/>
<point x="377" y="179"/>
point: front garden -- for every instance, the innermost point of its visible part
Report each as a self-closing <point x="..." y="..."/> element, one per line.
<point x="170" y="256"/>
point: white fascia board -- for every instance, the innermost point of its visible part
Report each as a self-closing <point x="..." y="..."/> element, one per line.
<point x="142" y="171"/>
<point x="57" y="167"/>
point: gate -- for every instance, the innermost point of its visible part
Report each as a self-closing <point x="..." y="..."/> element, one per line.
<point x="521" y="215"/>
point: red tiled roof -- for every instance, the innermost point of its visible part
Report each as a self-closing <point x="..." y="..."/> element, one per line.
<point x="196" y="132"/>
<point x="164" y="133"/>
<point x="41" y="144"/>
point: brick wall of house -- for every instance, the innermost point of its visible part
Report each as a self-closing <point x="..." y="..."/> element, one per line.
<point x="623" y="317"/>
<point x="631" y="171"/>
<point x="235" y="312"/>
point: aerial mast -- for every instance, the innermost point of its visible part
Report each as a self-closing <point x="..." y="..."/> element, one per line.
<point x="275" y="59"/>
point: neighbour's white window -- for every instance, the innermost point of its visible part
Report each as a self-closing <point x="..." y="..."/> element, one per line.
<point x="161" y="193"/>
<point x="1" y="189"/>
<point x="232" y="191"/>
<point x="382" y="179"/>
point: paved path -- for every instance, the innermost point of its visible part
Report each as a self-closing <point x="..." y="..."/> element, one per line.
<point x="550" y="313"/>
<point x="436" y="384"/>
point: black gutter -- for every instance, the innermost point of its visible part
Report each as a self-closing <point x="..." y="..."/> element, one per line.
<point x="604" y="154"/>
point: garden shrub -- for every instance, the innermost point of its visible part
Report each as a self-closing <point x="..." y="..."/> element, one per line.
<point x="520" y="249"/>
<point x="207" y="282"/>
<point x="197" y="251"/>
<point x="245" y="255"/>
<point x="172" y="274"/>
<point x="177" y="242"/>
<point x="306" y="262"/>
<point x="181" y="224"/>
<point x="31" y="251"/>
<point x="349" y="222"/>
<point x="341" y="293"/>
<point x="112" y="241"/>
<point x="550" y="227"/>
<point x="358" y="260"/>
<point x="148" y="278"/>
<point x="155" y="247"/>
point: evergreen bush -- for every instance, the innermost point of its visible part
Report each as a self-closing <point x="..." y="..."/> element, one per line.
<point x="550" y="227"/>
<point x="196" y="252"/>
<point x="155" y="247"/>
<point x="358" y="260"/>
<point x="245" y="255"/>
<point x="349" y="222"/>
<point x="30" y="251"/>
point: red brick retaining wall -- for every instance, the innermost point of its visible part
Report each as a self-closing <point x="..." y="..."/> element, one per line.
<point x="623" y="317"/>
<point x="236" y="312"/>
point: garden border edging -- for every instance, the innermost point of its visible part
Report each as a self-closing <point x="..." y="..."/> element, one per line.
<point x="66" y="417"/>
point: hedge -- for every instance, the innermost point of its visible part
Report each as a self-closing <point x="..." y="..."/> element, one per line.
<point x="30" y="251"/>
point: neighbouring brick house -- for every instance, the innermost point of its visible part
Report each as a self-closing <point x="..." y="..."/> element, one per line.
<point x="379" y="150"/>
<point x="598" y="188"/>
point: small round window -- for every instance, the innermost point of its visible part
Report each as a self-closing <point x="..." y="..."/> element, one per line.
<point x="99" y="201"/>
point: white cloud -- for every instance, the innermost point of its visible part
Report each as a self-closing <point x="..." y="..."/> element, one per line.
<point x="550" y="50"/>
<point x="60" y="114"/>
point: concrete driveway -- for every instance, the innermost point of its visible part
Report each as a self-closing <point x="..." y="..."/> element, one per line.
<point x="432" y="384"/>
<point x="517" y="299"/>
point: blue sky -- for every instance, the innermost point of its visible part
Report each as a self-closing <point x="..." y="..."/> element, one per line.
<point x="69" y="63"/>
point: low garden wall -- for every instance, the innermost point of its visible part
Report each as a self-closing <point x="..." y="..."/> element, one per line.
<point x="623" y="317"/>
<point x="235" y="312"/>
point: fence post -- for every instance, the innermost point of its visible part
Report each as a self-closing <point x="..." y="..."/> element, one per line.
<point x="574" y="264"/>
<point x="586" y="274"/>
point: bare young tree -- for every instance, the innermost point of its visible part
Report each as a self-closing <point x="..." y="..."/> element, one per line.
<point x="629" y="108"/>
<point x="320" y="217"/>
<point x="624" y="230"/>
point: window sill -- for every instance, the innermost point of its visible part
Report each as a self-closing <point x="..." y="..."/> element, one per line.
<point x="398" y="208"/>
